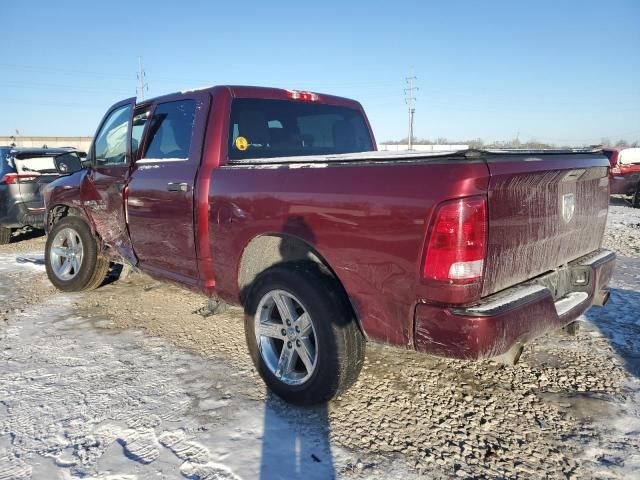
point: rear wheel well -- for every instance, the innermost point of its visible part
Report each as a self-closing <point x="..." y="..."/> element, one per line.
<point x="265" y="251"/>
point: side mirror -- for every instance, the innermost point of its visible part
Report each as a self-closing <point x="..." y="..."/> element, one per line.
<point x="68" y="163"/>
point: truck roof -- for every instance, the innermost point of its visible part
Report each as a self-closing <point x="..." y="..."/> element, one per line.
<point x="271" y="93"/>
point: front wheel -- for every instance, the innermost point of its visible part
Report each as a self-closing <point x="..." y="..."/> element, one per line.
<point x="302" y="334"/>
<point x="71" y="257"/>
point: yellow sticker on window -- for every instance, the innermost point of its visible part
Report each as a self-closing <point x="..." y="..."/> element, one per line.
<point x="242" y="144"/>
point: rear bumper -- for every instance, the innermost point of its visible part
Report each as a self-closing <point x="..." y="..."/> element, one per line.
<point x="21" y="215"/>
<point x="516" y="315"/>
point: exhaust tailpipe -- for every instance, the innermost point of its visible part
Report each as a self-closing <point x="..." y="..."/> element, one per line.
<point x="601" y="298"/>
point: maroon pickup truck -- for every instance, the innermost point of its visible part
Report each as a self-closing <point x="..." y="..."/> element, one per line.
<point x="276" y="200"/>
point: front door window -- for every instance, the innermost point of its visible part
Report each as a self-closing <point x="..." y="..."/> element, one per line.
<point x="111" y="141"/>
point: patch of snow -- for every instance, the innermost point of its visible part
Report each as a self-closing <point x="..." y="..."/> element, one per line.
<point x="596" y="258"/>
<point x="80" y="401"/>
<point x="569" y="302"/>
<point x="197" y="89"/>
<point x="143" y="161"/>
<point x="20" y="262"/>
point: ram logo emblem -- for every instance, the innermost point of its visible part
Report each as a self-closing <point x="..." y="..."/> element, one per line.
<point x="568" y="206"/>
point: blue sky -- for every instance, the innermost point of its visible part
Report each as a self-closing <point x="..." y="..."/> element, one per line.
<point x="566" y="72"/>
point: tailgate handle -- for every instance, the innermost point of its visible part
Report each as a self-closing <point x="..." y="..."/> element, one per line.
<point x="177" y="187"/>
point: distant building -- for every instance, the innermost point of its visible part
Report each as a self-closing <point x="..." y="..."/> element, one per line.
<point x="81" y="143"/>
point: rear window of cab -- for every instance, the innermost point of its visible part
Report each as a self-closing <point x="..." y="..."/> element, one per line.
<point x="283" y="128"/>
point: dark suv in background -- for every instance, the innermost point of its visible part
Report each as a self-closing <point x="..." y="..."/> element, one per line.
<point x="23" y="174"/>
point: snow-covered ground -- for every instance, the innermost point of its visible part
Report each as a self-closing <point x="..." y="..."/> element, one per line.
<point x="79" y="401"/>
<point x="132" y="382"/>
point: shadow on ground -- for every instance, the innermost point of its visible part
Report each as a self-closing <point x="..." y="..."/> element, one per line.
<point x="619" y="320"/>
<point x="26" y="234"/>
<point x="295" y="443"/>
<point x="32" y="260"/>
<point x="619" y="201"/>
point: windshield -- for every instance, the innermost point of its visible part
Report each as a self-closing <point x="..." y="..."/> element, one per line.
<point x="280" y="128"/>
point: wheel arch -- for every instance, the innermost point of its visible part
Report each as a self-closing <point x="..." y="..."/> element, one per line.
<point x="267" y="250"/>
<point x="61" y="210"/>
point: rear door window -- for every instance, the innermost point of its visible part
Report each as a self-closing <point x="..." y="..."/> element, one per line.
<point x="281" y="128"/>
<point x="171" y="130"/>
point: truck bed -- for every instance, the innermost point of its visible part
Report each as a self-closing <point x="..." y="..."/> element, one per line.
<point x="367" y="215"/>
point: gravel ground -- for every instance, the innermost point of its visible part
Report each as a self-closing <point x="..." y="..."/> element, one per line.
<point x="623" y="229"/>
<point x="156" y="372"/>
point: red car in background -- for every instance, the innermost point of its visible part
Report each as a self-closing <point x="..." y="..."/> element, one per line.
<point x="624" y="175"/>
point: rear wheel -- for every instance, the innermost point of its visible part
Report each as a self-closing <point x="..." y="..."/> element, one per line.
<point x="5" y="235"/>
<point x="302" y="334"/>
<point x="71" y="257"/>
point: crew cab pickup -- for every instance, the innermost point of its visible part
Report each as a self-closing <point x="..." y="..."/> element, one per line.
<point x="276" y="200"/>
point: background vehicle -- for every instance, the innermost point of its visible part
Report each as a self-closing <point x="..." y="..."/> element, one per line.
<point x="23" y="173"/>
<point x="274" y="199"/>
<point x="625" y="172"/>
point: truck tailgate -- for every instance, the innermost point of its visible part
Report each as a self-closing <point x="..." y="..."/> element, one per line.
<point x="544" y="211"/>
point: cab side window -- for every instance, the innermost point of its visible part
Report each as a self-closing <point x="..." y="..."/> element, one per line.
<point x="171" y="131"/>
<point x="111" y="141"/>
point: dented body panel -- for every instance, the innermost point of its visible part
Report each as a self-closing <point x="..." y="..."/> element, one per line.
<point x="520" y="315"/>
<point x="366" y="217"/>
<point x="367" y="221"/>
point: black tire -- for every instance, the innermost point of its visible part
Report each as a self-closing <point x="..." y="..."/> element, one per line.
<point x="93" y="269"/>
<point x="341" y="345"/>
<point x="5" y="235"/>
<point x="635" y="199"/>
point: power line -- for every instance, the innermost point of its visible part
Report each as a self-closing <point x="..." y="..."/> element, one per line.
<point x="410" y="99"/>
<point x="142" y="81"/>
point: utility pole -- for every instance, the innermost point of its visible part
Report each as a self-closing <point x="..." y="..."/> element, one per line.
<point x="410" y="99"/>
<point x="142" y="81"/>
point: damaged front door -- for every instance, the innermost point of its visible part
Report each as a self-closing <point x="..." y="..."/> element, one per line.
<point x="102" y="192"/>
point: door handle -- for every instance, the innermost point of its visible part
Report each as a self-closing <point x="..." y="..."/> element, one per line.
<point x="177" y="187"/>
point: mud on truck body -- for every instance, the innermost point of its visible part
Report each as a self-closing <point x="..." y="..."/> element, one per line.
<point x="276" y="200"/>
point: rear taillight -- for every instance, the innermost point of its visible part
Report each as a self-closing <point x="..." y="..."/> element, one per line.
<point x="11" y="178"/>
<point x="457" y="239"/>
